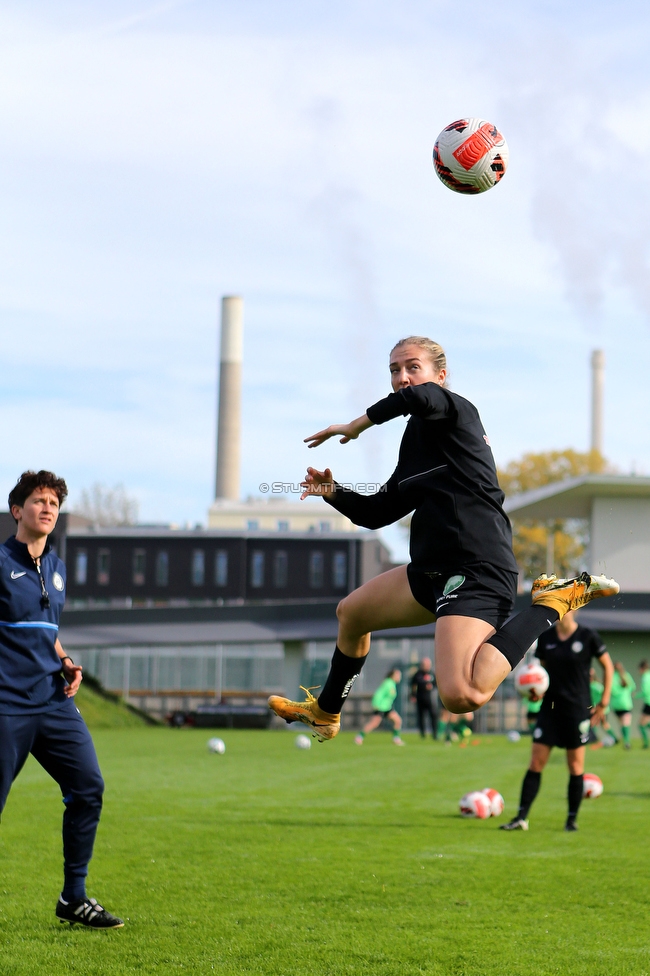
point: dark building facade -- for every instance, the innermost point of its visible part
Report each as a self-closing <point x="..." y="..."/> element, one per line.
<point x="150" y="566"/>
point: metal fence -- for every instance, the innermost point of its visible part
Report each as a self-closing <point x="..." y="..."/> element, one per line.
<point x="212" y="670"/>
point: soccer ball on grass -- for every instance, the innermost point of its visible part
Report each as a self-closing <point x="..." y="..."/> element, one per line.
<point x="497" y="803"/>
<point x="217" y="745"/>
<point x="592" y="786"/>
<point x="475" y="804"/>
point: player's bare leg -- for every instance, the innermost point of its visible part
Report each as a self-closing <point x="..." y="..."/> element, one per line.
<point x="382" y="603"/>
<point x="468" y="669"/>
<point x="472" y="659"/>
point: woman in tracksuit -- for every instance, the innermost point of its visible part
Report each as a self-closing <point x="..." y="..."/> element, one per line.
<point x="462" y="572"/>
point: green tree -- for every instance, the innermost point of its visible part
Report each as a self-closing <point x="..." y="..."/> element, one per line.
<point x="558" y="545"/>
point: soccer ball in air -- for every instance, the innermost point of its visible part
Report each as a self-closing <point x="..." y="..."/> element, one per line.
<point x="303" y="742"/>
<point x="531" y="678"/>
<point x="470" y="156"/>
<point x="497" y="803"/>
<point x="475" y="804"/>
<point x="592" y="786"/>
<point x="217" y="745"/>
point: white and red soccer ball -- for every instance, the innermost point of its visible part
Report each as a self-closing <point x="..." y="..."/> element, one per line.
<point x="470" y="156"/>
<point x="533" y="677"/>
<point x="497" y="803"/>
<point x="482" y="804"/>
<point x="592" y="786"/>
<point x="475" y="804"/>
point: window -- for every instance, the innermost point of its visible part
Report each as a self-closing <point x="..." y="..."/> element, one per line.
<point x="340" y="570"/>
<point x="280" y="568"/>
<point x="257" y="568"/>
<point x="162" y="568"/>
<point x="139" y="563"/>
<point x="198" y="567"/>
<point x="81" y="567"/>
<point x="324" y="526"/>
<point x="221" y="568"/>
<point x="104" y="567"/>
<point x="316" y="569"/>
<point x="252" y="525"/>
<point x="283" y="525"/>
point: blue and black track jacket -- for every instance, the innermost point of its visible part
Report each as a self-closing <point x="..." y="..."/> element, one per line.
<point x="30" y="669"/>
<point x="446" y="476"/>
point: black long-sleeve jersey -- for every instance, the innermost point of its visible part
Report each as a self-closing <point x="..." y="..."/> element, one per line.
<point x="446" y="476"/>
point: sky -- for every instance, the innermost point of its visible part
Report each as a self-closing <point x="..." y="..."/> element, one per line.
<point x="156" y="156"/>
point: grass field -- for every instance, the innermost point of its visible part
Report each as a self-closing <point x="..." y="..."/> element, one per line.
<point x="338" y="860"/>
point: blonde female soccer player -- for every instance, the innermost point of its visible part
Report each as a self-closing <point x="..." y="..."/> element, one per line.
<point x="462" y="571"/>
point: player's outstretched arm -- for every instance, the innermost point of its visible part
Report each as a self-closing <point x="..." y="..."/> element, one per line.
<point x="320" y="483"/>
<point x="348" y="432"/>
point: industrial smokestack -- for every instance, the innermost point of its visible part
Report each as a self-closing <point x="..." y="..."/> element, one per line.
<point x="597" y="393"/>
<point x="229" y="420"/>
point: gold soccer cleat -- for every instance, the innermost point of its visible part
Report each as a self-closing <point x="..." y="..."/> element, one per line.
<point x="564" y="595"/>
<point x="323" y="725"/>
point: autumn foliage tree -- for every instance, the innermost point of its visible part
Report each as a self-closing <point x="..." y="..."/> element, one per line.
<point x="558" y="545"/>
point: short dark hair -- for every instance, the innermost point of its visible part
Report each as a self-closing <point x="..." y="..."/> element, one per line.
<point x="643" y="664"/>
<point x="29" y="481"/>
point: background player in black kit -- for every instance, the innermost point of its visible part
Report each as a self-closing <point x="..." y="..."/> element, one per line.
<point x="462" y="571"/>
<point x="566" y="715"/>
<point x="422" y="685"/>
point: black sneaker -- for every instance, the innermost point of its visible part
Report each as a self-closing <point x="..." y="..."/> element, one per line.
<point x="86" y="911"/>
<point x="517" y="823"/>
<point x="571" y="826"/>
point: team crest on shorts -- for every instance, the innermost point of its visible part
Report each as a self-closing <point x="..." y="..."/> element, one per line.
<point x="452" y="584"/>
<point x="583" y="729"/>
<point x="57" y="581"/>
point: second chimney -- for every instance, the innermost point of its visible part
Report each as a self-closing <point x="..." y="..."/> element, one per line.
<point x="597" y="393"/>
<point x="229" y="421"/>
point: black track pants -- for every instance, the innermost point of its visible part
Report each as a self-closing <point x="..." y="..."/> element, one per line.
<point x="427" y="708"/>
<point x="60" y="741"/>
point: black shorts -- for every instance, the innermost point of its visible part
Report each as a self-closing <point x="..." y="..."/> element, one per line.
<point x="383" y="714"/>
<point x="478" y="590"/>
<point x="620" y="712"/>
<point x="565" y="725"/>
<point x="645" y="710"/>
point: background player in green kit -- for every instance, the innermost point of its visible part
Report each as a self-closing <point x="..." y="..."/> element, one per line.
<point x="531" y="715"/>
<point x="644" y="695"/>
<point x="382" y="703"/>
<point x="596" y="689"/>
<point x="623" y="687"/>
